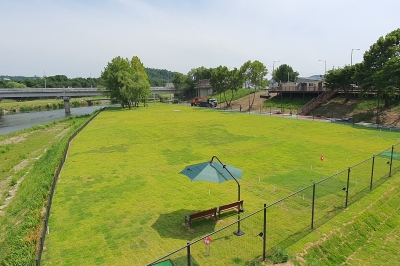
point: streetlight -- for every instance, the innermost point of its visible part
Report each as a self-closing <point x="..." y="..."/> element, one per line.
<point x="351" y="59"/>
<point x="325" y="64"/>
<point x="273" y="68"/>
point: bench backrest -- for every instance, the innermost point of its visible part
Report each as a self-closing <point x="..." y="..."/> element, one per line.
<point x="231" y="205"/>
<point x="212" y="211"/>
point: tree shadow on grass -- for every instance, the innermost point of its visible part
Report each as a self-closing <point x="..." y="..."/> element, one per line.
<point x="172" y="225"/>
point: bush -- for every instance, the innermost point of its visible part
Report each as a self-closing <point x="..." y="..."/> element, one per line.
<point x="13" y="181"/>
<point x="25" y="109"/>
<point x="279" y="255"/>
<point x="75" y="104"/>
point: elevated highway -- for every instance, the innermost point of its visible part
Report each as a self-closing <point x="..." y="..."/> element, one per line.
<point x="67" y="92"/>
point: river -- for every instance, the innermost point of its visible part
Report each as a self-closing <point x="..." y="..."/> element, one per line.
<point x="12" y="123"/>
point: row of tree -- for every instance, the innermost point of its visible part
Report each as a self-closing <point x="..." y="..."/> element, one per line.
<point x="57" y="81"/>
<point x="157" y="77"/>
<point x="378" y="73"/>
<point x="223" y="80"/>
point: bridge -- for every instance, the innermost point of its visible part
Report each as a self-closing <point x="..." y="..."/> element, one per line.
<point x="69" y="92"/>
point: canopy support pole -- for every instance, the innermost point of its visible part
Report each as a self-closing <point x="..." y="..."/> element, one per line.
<point x="238" y="232"/>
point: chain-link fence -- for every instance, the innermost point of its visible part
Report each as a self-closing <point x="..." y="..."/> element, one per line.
<point x="273" y="228"/>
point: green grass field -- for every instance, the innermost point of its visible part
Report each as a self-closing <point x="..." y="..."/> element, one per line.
<point x="121" y="201"/>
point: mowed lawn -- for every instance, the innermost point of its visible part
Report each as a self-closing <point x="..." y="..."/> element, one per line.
<point x="121" y="201"/>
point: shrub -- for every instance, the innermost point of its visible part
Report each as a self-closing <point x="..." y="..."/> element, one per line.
<point x="279" y="255"/>
<point x="75" y="104"/>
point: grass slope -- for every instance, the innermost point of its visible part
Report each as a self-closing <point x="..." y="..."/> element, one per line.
<point x="367" y="233"/>
<point x="120" y="200"/>
<point x="29" y="159"/>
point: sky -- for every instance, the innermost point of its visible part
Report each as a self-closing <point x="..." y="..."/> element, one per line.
<point x="78" y="38"/>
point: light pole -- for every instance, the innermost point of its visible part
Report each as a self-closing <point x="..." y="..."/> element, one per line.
<point x="325" y="65"/>
<point x="273" y="68"/>
<point x="351" y="59"/>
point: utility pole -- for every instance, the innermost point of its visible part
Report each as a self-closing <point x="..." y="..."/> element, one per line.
<point x="351" y="59"/>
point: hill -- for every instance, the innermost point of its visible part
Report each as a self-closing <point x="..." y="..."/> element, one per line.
<point x="360" y="110"/>
<point x="159" y="77"/>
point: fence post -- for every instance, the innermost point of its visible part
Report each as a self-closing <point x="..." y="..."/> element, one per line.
<point x="265" y="233"/>
<point x="347" y="187"/>
<point x="188" y="253"/>
<point x="312" y="206"/>
<point x="391" y="161"/>
<point x="372" y="172"/>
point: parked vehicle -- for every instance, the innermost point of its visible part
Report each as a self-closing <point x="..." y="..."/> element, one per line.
<point x="204" y="102"/>
<point x="196" y="101"/>
<point x="213" y="102"/>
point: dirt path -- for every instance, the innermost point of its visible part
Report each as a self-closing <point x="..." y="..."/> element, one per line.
<point x="244" y="102"/>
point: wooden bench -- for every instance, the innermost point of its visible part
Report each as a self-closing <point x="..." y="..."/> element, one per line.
<point x="203" y="214"/>
<point x="237" y="205"/>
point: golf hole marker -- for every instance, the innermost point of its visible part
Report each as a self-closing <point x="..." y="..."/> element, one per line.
<point x="207" y="241"/>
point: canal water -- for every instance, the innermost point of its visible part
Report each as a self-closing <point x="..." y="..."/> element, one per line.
<point x="12" y="123"/>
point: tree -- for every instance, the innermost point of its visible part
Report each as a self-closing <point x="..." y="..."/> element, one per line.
<point x="14" y="85"/>
<point x="235" y="82"/>
<point x="194" y="76"/>
<point x="179" y="82"/>
<point x="126" y="80"/>
<point x="380" y="63"/>
<point x="220" y="80"/>
<point x="254" y="73"/>
<point x="285" y="73"/>
<point x="341" y="78"/>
